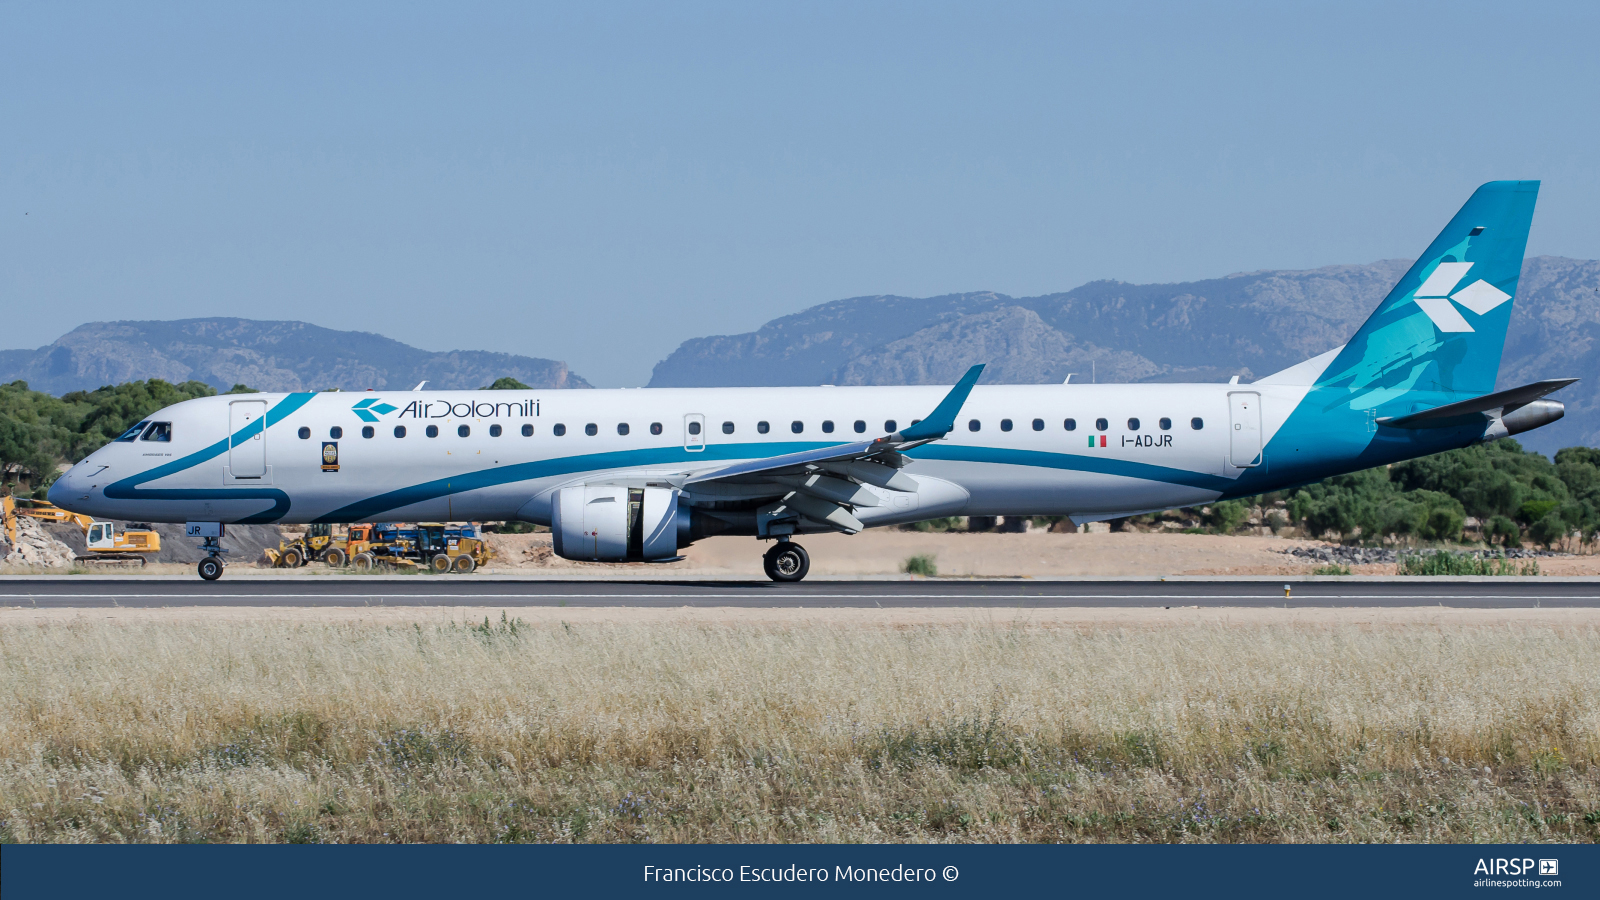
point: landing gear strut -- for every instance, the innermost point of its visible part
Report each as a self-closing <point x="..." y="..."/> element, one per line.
<point x="786" y="561"/>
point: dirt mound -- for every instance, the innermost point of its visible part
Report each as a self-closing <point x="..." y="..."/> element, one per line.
<point x="245" y="541"/>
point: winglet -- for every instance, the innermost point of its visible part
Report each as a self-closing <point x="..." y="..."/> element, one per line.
<point x="942" y="420"/>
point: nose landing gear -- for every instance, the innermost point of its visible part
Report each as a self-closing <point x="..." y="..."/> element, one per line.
<point x="786" y="561"/>
<point x="211" y="568"/>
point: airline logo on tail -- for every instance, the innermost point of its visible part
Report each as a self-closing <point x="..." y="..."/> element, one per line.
<point x="1435" y="298"/>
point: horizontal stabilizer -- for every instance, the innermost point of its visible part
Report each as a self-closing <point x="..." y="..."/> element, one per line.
<point x="1448" y="416"/>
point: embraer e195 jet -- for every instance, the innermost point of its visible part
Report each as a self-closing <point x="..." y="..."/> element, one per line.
<point x="637" y="475"/>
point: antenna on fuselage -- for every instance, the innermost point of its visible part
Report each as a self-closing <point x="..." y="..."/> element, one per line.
<point x="1069" y="377"/>
<point x="419" y="385"/>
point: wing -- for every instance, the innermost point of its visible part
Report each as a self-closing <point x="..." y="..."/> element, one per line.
<point x="826" y="485"/>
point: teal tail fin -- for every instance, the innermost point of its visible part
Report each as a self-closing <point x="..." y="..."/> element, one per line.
<point x="1443" y="326"/>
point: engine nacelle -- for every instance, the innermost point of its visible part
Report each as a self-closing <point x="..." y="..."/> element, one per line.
<point x="615" y="523"/>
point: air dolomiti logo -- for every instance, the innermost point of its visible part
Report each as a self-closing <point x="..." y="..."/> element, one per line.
<point x="1436" y="300"/>
<point x="369" y="409"/>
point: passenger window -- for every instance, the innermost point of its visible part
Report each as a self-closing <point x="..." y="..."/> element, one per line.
<point x="655" y="427"/>
<point x="560" y="430"/>
<point x="889" y="426"/>
<point x="1101" y="424"/>
<point x="336" y="432"/>
<point x="527" y="430"/>
<point x="399" y="431"/>
<point x="367" y="431"/>
<point x="727" y="428"/>
<point x="433" y="431"/>
<point x="622" y="428"/>
<point x="1038" y="424"/>
<point x="463" y="430"/>
<point x="974" y="425"/>
<point x="132" y="434"/>
<point x="827" y="426"/>
<point x="1165" y="423"/>
<point x="160" y="432"/>
<point x="1005" y="424"/>
<point x="592" y="429"/>
<point x="1070" y="424"/>
<point x="494" y="430"/>
<point x="694" y="427"/>
<point x="305" y="433"/>
<point x="1133" y="424"/>
<point x="763" y="428"/>
<point x="861" y="426"/>
<point x="797" y="426"/>
<point x="1197" y="423"/>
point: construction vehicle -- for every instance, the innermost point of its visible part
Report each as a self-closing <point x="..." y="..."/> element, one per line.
<point x="317" y="543"/>
<point x="450" y="548"/>
<point x="104" y="544"/>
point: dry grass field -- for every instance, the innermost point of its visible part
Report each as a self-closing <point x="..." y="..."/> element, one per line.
<point x="278" y="729"/>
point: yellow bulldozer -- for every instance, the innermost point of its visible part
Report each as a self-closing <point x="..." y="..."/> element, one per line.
<point x="104" y="543"/>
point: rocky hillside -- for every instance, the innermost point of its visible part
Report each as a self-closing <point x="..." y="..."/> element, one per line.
<point x="268" y="356"/>
<point x="1250" y="324"/>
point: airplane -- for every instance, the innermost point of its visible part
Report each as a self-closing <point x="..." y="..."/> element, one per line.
<point x="639" y="474"/>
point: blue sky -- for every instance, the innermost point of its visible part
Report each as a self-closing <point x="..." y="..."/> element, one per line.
<point x="596" y="182"/>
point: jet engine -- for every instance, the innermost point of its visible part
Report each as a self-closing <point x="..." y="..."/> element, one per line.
<point x="616" y="523"/>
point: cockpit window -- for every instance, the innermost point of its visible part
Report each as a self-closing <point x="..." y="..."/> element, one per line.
<point x="158" y="431"/>
<point x="132" y="434"/>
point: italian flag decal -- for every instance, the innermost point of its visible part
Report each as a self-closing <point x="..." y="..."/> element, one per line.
<point x="1102" y="440"/>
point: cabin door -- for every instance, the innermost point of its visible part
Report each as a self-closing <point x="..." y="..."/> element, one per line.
<point x="247" y="442"/>
<point x="1244" y="429"/>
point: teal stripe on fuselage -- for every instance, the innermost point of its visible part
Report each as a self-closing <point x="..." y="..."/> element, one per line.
<point x="372" y="507"/>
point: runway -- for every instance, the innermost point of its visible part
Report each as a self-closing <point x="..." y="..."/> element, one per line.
<point x="89" y="592"/>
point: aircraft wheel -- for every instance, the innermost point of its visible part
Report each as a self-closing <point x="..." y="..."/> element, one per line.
<point x="291" y="559"/>
<point x="334" y="557"/>
<point x="441" y="563"/>
<point x="364" y="563"/>
<point x="786" y="562"/>
<point x="464" y="564"/>
<point x="210" y="568"/>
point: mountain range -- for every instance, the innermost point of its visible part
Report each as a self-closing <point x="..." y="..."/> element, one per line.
<point x="268" y="356"/>
<point x="1250" y="324"/>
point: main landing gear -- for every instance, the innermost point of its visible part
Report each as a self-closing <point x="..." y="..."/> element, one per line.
<point x="786" y="561"/>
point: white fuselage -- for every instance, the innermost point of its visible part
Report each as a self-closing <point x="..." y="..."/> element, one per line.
<point x="216" y="466"/>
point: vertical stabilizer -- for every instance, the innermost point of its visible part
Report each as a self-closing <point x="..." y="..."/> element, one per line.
<point x="1443" y="326"/>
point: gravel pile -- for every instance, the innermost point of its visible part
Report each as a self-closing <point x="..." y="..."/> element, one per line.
<point x="36" y="547"/>
<point x="1358" y="556"/>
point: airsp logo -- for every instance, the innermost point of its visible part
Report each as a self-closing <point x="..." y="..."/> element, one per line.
<point x="1435" y="298"/>
<point x="366" y="408"/>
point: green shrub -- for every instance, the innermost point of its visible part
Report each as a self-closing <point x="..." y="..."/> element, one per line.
<point x="1445" y="562"/>
<point x="921" y="564"/>
<point x="1225" y="516"/>
<point x="1332" y="569"/>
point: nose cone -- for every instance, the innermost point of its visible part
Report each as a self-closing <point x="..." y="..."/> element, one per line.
<point x="61" y="491"/>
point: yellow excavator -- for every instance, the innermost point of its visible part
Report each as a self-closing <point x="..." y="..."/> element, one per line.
<point x="105" y="544"/>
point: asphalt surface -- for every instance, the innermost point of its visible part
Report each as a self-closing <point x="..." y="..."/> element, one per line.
<point x="89" y="592"/>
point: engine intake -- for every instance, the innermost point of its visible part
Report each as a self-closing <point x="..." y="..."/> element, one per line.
<point x="614" y="523"/>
